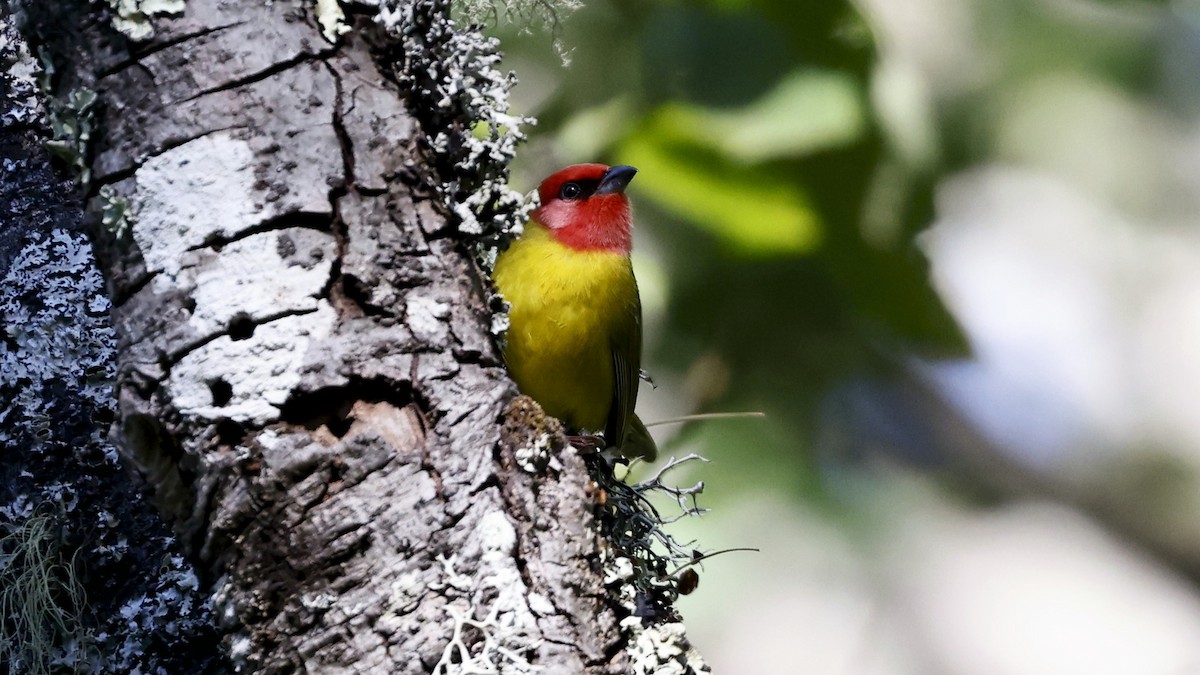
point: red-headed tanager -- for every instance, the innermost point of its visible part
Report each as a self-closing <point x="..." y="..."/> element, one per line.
<point x="574" y="342"/>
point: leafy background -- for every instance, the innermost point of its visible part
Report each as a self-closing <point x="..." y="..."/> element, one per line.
<point x="950" y="248"/>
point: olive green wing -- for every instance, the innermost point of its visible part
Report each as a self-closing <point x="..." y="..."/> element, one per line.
<point x="624" y="430"/>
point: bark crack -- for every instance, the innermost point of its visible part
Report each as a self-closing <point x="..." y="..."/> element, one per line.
<point x="170" y="359"/>
<point x="308" y="220"/>
<point x="261" y="75"/>
<point x="112" y="177"/>
<point x="339" y="126"/>
<point x="161" y="46"/>
<point x="127" y="293"/>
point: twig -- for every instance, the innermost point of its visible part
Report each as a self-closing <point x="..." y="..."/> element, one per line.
<point x="707" y="416"/>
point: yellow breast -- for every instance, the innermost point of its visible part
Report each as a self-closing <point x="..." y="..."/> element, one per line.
<point x="565" y="306"/>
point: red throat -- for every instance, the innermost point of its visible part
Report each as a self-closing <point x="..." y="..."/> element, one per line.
<point x="592" y="222"/>
<point x="601" y="223"/>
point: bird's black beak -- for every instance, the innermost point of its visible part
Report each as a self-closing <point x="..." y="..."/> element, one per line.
<point x="615" y="179"/>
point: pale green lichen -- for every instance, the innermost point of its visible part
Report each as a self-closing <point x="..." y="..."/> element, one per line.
<point x="41" y="598"/>
<point x="133" y="16"/>
<point x="72" y="121"/>
<point x="528" y="14"/>
<point x="64" y="337"/>
<point x="116" y="214"/>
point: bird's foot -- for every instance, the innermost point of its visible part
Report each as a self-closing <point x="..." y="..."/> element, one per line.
<point x="587" y="442"/>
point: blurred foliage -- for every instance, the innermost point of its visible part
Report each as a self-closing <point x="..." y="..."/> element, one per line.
<point x="790" y="151"/>
<point x="785" y="221"/>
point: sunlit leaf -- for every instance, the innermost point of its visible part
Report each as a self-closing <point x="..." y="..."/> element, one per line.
<point x="806" y="112"/>
<point x="750" y="209"/>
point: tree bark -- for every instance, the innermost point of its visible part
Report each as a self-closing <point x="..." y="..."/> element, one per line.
<point x="306" y="373"/>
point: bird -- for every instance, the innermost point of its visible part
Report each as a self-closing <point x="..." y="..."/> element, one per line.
<point x="574" y="342"/>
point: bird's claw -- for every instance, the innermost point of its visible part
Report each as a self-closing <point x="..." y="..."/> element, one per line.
<point x="587" y="442"/>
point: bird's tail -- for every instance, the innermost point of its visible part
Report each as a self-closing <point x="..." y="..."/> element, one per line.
<point x="638" y="442"/>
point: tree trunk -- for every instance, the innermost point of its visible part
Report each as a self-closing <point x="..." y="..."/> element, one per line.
<point x="306" y="373"/>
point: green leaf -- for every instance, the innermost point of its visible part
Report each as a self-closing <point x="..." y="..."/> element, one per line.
<point x="807" y="112"/>
<point x="750" y="209"/>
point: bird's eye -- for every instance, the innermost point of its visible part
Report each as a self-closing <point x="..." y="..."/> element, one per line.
<point x="571" y="191"/>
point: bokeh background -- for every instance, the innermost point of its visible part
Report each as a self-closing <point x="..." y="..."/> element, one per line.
<point x="950" y="247"/>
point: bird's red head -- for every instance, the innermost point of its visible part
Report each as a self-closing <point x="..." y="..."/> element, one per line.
<point x="584" y="207"/>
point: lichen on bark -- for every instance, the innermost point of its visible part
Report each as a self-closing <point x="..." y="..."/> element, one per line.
<point x="91" y="579"/>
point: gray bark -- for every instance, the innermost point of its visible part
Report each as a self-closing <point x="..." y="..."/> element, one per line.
<point x="305" y="373"/>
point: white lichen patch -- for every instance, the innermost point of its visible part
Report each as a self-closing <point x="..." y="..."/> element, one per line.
<point x="190" y="194"/>
<point x="202" y="192"/>
<point x="319" y="600"/>
<point x="261" y="276"/>
<point x="496" y="536"/>
<point x="500" y="323"/>
<point x="617" y="570"/>
<point x="21" y="75"/>
<point x="64" y="336"/>
<point x="407" y="590"/>
<point x="654" y="648"/>
<point x="537" y="457"/>
<point x="661" y="649"/>
<point x="453" y="70"/>
<point x="240" y="648"/>
<point x="269" y="439"/>
<point x="498" y="539"/>
<point x="498" y="571"/>
<point x="256" y="374"/>
<point x="541" y="605"/>
<point x="504" y="622"/>
<point x="332" y="20"/>
<point x="133" y="16"/>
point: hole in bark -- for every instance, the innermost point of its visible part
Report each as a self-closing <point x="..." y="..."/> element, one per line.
<point x="104" y="416"/>
<point x="222" y="392"/>
<point x="339" y="427"/>
<point x="351" y="288"/>
<point x="241" y="326"/>
<point x="214" y="241"/>
<point x="229" y="432"/>
<point x="330" y="406"/>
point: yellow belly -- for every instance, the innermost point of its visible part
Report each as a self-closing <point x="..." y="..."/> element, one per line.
<point x="564" y="308"/>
